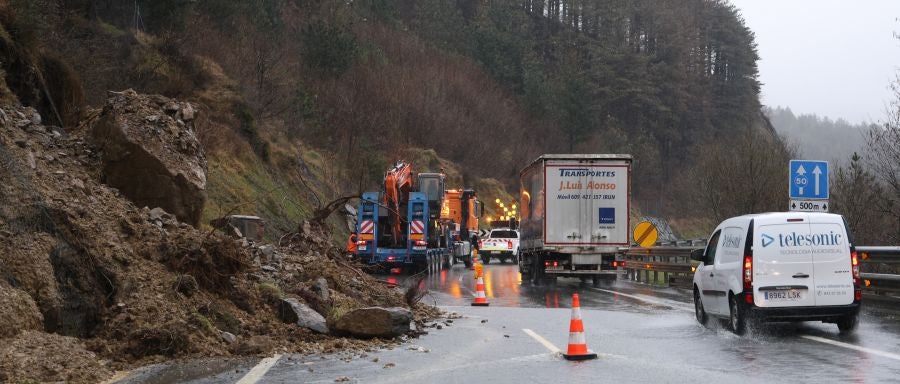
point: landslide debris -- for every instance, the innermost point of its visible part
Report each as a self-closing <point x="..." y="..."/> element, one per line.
<point x="91" y="282"/>
<point x="150" y="153"/>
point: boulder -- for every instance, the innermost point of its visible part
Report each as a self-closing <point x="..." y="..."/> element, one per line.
<point x="321" y="289"/>
<point x="375" y="322"/>
<point x="18" y="312"/>
<point x="293" y="311"/>
<point x="228" y="337"/>
<point x="255" y="345"/>
<point x="149" y="157"/>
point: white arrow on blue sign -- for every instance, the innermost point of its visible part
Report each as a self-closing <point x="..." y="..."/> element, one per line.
<point x="809" y="179"/>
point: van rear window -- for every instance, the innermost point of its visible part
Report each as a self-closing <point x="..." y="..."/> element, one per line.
<point x="504" y="235"/>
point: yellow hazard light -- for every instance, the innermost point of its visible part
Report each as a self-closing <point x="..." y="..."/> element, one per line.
<point x="497" y="201"/>
<point x="693" y="269"/>
<point x="867" y="282"/>
<point x="513" y="206"/>
<point x="865" y="255"/>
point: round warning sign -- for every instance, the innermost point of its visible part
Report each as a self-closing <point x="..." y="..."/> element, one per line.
<point x="645" y="234"/>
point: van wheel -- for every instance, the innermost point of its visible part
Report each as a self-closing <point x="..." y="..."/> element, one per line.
<point x="485" y="258"/>
<point x="848" y="323"/>
<point x="736" y="320"/>
<point x="699" y="312"/>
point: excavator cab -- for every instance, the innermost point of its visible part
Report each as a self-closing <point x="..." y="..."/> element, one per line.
<point x="432" y="185"/>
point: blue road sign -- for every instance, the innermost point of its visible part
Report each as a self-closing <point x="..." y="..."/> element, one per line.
<point x="809" y="179"/>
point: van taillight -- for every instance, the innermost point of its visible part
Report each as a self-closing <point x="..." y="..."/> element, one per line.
<point x="854" y="265"/>
<point x="748" y="272"/>
<point x="509" y="245"/>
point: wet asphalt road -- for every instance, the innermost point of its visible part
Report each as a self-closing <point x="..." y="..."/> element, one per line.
<point x="643" y="335"/>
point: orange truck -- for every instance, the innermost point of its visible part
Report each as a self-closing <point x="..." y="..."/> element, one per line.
<point x="461" y="210"/>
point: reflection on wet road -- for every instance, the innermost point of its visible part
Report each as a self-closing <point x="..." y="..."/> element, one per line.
<point x="643" y="335"/>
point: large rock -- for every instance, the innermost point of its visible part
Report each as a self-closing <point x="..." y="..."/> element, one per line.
<point x="151" y="155"/>
<point x="18" y="312"/>
<point x="293" y="311"/>
<point x="375" y="322"/>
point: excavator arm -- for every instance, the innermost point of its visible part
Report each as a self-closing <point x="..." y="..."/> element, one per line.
<point x="397" y="184"/>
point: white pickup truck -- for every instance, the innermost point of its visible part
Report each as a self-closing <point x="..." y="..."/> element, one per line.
<point x="502" y="243"/>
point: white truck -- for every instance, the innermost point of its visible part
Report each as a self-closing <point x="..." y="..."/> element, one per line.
<point x="501" y="243"/>
<point x="574" y="216"/>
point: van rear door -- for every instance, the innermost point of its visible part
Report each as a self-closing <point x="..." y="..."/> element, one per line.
<point x="831" y="260"/>
<point x="783" y="272"/>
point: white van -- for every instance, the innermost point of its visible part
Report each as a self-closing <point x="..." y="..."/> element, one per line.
<point x="779" y="267"/>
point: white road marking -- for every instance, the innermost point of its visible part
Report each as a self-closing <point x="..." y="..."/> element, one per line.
<point x="853" y="347"/>
<point x="541" y="340"/>
<point x="259" y="370"/>
<point x="644" y="299"/>
<point x="808" y="337"/>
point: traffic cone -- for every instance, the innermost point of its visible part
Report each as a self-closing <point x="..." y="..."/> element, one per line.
<point x="578" y="349"/>
<point x="480" y="298"/>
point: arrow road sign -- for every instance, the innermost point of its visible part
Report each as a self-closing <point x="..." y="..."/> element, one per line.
<point x="809" y="179"/>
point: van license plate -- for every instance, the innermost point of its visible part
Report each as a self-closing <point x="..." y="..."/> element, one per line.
<point x="792" y="295"/>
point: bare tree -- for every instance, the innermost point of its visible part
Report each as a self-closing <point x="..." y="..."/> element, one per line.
<point x="884" y="157"/>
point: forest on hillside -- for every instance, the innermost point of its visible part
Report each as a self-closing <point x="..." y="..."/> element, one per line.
<point x="487" y="85"/>
<point x="818" y="137"/>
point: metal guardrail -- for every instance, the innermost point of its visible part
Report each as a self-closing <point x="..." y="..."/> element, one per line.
<point x="672" y="266"/>
<point x="668" y="266"/>
<point x="880" y="286"/>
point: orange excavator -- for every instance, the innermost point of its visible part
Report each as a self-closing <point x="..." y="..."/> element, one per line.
<point x="397" y="184"/>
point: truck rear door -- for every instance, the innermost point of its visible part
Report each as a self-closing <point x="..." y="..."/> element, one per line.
<point x="586" y="202"/>
<point x="832" y="276"/>
<point x="782" y="263"/>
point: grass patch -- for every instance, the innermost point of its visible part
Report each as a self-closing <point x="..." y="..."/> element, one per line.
<point x="270" y="292"/>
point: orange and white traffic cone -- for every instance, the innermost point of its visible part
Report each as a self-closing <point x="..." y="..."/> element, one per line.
<point x="578" y="349"/>
<point x="480" y="298"/>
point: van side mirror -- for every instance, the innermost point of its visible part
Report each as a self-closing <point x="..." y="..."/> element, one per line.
<point x="697" y="254"/>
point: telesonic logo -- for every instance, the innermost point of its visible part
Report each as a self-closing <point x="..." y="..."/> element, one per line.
<point x="582" y="172"/>
<point x="795" y="239"/>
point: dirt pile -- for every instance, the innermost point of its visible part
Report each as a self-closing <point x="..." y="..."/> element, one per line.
<point x="91" y="282"/>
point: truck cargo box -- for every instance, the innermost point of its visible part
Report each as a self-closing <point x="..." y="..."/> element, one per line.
<point x="576" y="203"/>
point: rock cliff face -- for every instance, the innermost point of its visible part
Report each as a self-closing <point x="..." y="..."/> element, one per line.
<point x="150" y="153"/>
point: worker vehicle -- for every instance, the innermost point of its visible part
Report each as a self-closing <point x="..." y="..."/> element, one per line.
<point x="401" y="228"/>
<point x="502" y="244"/>
<point x="415" y="222"/>
<point x="574" y="219"/>
<point x="778" y="267"/>
<point x="461" y="211"/>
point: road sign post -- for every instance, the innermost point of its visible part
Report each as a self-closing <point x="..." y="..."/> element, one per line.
<point x="808" y="186"/>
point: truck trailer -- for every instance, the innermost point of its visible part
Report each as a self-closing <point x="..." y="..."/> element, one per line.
<point x="574" y="216"/>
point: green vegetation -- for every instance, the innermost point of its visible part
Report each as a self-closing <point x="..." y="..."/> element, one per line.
<point x="305" y="102"/>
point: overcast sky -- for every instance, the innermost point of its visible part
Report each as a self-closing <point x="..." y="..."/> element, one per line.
<point x="834" y="58"/>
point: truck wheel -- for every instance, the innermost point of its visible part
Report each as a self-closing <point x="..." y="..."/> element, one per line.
<point x="485" y="258"/>
<point x="848" y="323"/>
<point x="699" y="312"/>
<point x="736" y="319"/>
